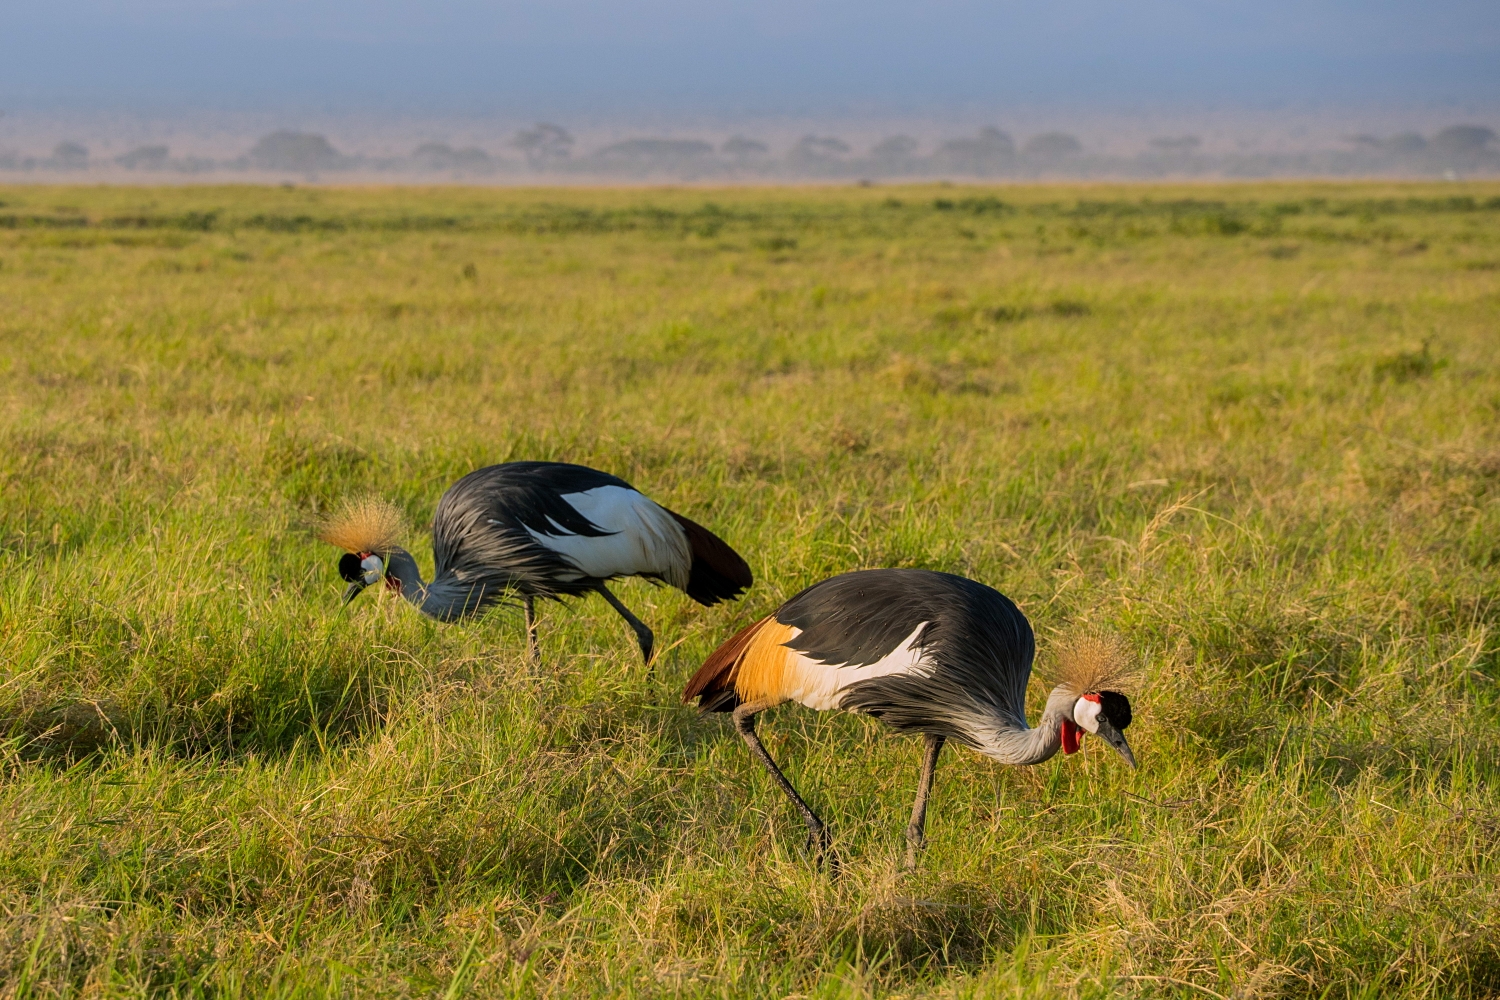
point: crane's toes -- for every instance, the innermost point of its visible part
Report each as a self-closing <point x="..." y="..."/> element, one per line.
<point x="820" y="847"/>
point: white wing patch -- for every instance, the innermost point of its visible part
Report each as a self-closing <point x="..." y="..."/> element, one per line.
<point x="645" y="539"/>
<point x="819" y="685"/>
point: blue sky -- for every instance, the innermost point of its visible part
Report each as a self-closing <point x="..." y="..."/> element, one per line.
<point x="770" y="56"/>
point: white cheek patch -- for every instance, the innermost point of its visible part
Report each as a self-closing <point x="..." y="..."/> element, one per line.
<point x="1086" y="713"/>
<point x="372" y="567"/>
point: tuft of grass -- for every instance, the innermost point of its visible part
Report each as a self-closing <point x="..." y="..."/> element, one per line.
<point x="1403" y="366"/>
<point x="216" y="780"/>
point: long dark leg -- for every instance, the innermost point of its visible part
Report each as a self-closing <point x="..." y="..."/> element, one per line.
<point x="916" y="837"/>
<point x="817" y="830"/>
<point x="642" y="633"/>
<point x="531" y="644"/>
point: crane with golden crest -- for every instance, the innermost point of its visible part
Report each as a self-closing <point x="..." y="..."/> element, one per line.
<point x="924" y="652"/>
<point x="545" y="530"/>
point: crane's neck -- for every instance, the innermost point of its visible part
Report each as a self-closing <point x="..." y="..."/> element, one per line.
<point x="446" y="598"/>
<point x="402" y="568"/>
<point x="1011" y="745"/>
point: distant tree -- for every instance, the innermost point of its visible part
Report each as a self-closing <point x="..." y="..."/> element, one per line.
<point x="819" y="148"/>
<point x="740" y="148"/>
<point x="653" y="155"/>
<point x="1053" y="146"/>
<point x="894" y="148"/>
<point x="990" y="151"/>
<point x="70" y="156"/>
<point x="1463" y="140"/>
<point x="995" y="141"/>
<point x="303" y="152"/>
<point x="144" y="158"/>
<point x="544" y="145"/>
<point x="670" y="149"/>
<point x="1174" y="144"/>
<point x="438" y="156"/>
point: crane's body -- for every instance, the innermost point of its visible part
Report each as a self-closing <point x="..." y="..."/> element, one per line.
<point x="922" y="651"/>
<point x="539" y="530"/>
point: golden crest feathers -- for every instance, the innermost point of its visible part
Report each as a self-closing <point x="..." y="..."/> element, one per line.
<point x="363" y="524"/>
<point x="1092" y="661"/>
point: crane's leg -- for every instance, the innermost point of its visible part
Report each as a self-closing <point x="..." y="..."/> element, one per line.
<point x="642" y="633"/>
<point x="531" y="644"/>
<point x="817" y="830"/>
<point x="916" y="837"/>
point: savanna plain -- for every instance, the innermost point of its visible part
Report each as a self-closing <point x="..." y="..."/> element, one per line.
<point x="1252" y="429"/>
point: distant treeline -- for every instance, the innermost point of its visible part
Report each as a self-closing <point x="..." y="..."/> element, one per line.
<point x="548" y="149"/>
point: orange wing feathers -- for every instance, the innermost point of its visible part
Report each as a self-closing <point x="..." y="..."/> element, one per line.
<point x="766" y="669"/>
<point x="751" y="666"/>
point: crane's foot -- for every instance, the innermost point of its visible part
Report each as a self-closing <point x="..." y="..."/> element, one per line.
<point x="820" y="846"/>
<point x="647" y="643"/>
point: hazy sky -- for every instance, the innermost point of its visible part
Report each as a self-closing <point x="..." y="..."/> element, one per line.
<point x="525" y="57"/>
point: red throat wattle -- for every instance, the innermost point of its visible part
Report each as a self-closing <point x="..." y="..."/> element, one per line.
<point x="1070" y="734"/>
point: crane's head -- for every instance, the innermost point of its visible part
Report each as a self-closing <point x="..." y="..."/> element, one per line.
<point x="1089" y="668"/>
<point x="1104" y="714"/>
<point x="367" y="529"/>
<point x="361" y="570"/>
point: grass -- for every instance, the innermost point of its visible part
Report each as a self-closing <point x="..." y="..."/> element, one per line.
<point x="1254" y="429"/>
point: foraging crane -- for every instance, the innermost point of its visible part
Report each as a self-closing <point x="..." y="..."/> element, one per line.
<point x="924" y="652"/>
<point x="537" y="529"/>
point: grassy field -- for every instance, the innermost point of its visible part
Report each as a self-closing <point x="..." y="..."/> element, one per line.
<point x="1254" y="429"/>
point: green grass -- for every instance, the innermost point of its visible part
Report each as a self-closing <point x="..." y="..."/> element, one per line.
<point x="1254" y="429"/>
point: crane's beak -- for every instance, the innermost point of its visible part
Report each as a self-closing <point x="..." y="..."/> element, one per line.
<point x="354" y="589"/>
<point x="1109" y="734"/>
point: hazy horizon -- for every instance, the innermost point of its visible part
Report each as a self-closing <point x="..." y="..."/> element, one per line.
<point x="378" y="79"/>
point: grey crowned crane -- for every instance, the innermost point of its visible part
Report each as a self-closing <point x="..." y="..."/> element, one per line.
<point x="924" y="652"/>
<point x="536" y="530"/>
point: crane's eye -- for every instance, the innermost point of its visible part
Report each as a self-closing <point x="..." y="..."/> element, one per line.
<point x="350" y="568"/>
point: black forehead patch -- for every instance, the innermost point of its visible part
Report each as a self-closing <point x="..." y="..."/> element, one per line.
<point x="1116" y="708"/>
<point x="349" y="567"/>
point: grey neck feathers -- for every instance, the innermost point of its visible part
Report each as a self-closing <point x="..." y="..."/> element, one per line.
<point x="1010" y="744"/>
<point x="400" y="564"/>
<point x="445" y="599"/>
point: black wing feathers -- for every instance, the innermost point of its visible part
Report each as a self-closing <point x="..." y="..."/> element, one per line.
<point x="479" y="536"/>
<point x="858" y="618"/>
<point x="529" y="494"/>
<point x="718" y="573"/>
